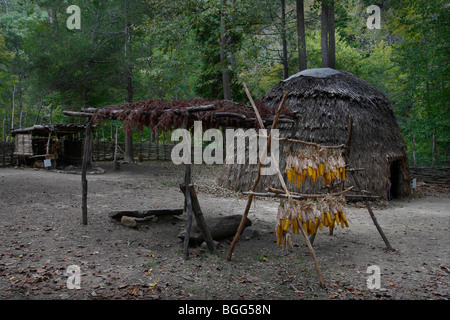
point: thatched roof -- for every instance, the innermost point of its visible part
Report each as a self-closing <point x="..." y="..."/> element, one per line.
<point x="324" y="100"/>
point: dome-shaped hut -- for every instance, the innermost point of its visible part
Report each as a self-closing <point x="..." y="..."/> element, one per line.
<point x="324" y="100"/>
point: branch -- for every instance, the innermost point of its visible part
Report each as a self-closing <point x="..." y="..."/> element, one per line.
<point x="278" y="191"/>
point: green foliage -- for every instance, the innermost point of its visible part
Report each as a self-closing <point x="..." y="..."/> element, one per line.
<point x="173" y="50"/>
<point x="421" y="91"/>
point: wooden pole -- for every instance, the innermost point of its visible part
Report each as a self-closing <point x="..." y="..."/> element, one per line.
<point x="258" y="176"/>
<point x="434" y="151"/>
<point x="372" y="215"/>
<point x="309" y="143"/>
<point x="84" y="183"/>
<point x="188" y="201"/>
<point x="116" y="163"/>
<point x="4" y="142"/>
<point x="283" y="184"/>
<point x="355" y="179"/>
<point x="199" y="218"/>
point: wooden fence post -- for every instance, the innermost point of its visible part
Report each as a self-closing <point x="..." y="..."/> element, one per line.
<point x="84" y="183"/>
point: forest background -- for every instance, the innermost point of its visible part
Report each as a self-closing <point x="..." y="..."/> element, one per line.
<point x="126" y="51"/>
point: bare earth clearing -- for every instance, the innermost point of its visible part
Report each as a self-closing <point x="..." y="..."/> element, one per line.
<point x="41" y="235"/>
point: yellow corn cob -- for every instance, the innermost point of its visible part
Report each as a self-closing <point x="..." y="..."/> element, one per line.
<point x="286" y="224"/>
<point x="304" y="172"/>
<point x="312" y="227"/>
<point x="299" y="180"/>
<point x="325" y="181"/>
<point x="289" y="174"/>
<point x="343" y="217"/>
<point x="310" y="172"/>
<point x="322" y="169"/>
<point x="343" y="173"/>
<point x="324" y="220"/>
<point x="336" y="216"/>
<point x="330" y="222"/>
<point x="304" y="226"/>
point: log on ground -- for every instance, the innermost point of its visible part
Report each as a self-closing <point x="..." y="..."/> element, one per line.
<point x="118" y="214"/>
<point x="220" y="228"/>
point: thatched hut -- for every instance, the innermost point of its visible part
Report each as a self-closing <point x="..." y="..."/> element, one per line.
<point x="323" y="100"/>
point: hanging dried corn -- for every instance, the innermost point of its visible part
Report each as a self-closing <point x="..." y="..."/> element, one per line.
<point x="311" y="214"/>
<point x="315" y="163"/>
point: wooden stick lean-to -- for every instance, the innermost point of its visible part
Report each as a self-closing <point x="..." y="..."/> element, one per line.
<point x="258" y="175"/>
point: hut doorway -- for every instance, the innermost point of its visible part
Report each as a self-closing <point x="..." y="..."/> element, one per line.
<point x="395" y="180"/>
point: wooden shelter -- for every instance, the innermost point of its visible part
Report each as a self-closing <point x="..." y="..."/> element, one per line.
<point x="215" y="114"/>
<point x="167" y="115"/>
<point x="48" y="144"/>
<point x="322" y="101"/>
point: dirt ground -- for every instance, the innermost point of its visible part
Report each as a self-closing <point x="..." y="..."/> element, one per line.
<point x="41" y="235"/>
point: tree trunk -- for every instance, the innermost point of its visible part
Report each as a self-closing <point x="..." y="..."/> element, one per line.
<point x="301" y="35"/>
<point x="331" y="37"/>
<point x="284" y="40"/>
<point x="223" y="55"/>
<point x="13" y="107"/>
<point x="129" y="84"/>
<point x="324" y="34"/>
<point x="51" y="14"/>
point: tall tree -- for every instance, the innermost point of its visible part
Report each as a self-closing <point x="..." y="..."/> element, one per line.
<point x="327" y="38"/>
<point x="226" y="83"/>
<point x="128" y="79"/>
<point x="301" y="35"/>
<point x="285" y="58"/>
<point x="331" y="36"/>
<point x="324" y="18"/>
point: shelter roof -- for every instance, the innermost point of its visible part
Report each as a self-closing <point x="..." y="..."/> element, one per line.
<point x="45" y="129"/>
<point x="167" y="115"/>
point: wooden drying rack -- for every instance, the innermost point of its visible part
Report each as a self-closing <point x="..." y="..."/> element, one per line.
<point x="191" y="202"/>
<point x="285" y="192"/>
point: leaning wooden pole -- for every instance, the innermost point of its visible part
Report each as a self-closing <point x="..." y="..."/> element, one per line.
<point x="86" y="157"/>
<point x="372" y="215"/>
<point x="258" y="174"/>
<point x="199" y="218"/>
<point x="311" y="250"/>
<point x="359" y="186"/>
